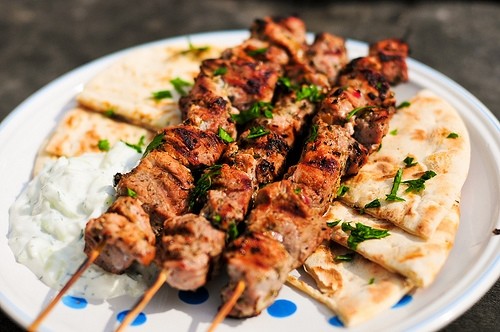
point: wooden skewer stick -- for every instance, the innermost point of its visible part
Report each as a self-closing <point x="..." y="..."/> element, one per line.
<point x="228" y="306"/>
<point x="146" y="297"/>
<point x="84" y="266"/>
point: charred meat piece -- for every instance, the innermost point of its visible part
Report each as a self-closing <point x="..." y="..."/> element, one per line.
<point x="190" y="246"/>
<point x="127" y="235"/>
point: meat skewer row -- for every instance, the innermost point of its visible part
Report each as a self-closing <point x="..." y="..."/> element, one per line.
<point x="286" y="224"/>
<point x="158" y="188"/>
<point x="192" y="244"/>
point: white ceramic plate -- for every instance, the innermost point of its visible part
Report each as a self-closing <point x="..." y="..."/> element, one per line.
<point x="472" y="268"/>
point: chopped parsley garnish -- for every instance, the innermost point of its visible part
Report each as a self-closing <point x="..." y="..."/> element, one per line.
<point x="394" y="132"/>
<point x="409" y="161"/>
<point x="257" y="51"/>
<point x="257" y="132"/>
<point x="314" y="133"/>
<point x="361" y="232"/>
<point x="162" y="94"/>
<point x="194" y="49"/>
<point x="371" y="281"/>
<point x="220" y="71"/>
<point x="109" y="112"/>
<point x="257" y="110"/>
<point x="297" y="190"/>
<point x="309" y="92"/>
<point x="356" y="110"/>
<point x="342" y="190"/>
<point x="345" y="258"/>
<point x="216" y="219"/>
<point x="203" y="185"/>
<point x="418" y="185"/>
<point x="232" y="231"/>
<point x="285" y="81"/>
<point x="403" y="105"/>
<point x="103" y="145"/>
<point x="156" y="142"/>
<point x="373" y="204"/>
<point x="137" y="147"/>
<point x="393" y="196"/>
<point x="179" y="85"/>
<point x="131" y="193"/>
<point x="224" y="135"/>
<point x="452" y="135"/>
<point x="334" y="223"/>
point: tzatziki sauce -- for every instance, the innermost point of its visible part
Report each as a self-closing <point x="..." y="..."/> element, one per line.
<point x="47" y="222"/>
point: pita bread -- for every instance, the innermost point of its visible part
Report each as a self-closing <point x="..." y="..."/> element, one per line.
<point x="81" y="130"/>
<point x="126" y="87"/>
<point x="422" y="133"/>
<point x="419" y="260"/>
<point x="355" y="290"/>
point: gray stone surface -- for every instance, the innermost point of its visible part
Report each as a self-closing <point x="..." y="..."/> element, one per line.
<point x="41" y="40"/>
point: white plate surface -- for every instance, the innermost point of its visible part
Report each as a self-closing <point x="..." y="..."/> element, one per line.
<point x="472" y="268"/>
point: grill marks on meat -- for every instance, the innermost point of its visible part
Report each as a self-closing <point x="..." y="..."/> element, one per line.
<point x="253" y="161"/>
<point x="126" y="228"/>
<point x="285" y="226"/>
<point x="163" y="179"/>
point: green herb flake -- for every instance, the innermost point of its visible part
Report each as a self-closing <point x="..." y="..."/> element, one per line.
<point x="356" y="110"/>
<point x="109" y="112"/>
<point x="232" y="231"/>
<point x="137" y="147"/>
<point x="379" y="147"/>
<point x="156" y="142"/>
<point x="286" y="82"/>
<point x="309" y="92"/>
<point x="393" y="196"/>
<point x="257" y="132"/>
<point x="224" y="135"/>
<point x="103" y="145"/>
<point x="220" y="71"/>
<point x="297" y="190"/>
<point x="257" y="51"/>
<point x="216" y="219"/>
<point x="373" y="204"/>
<point x="345" y="258"/>
<point x="162" y="94"/>
<point x="361" y="232"/>
<point x="403" y="105"/>
<point x="314" y="133"/>
<point x="394" y="132"/>
<point x="203" y="185"/>
<point x="131" y="193"/>
<point x="257" y="110"/>
<point x="418" y="185"/>
<point x="334" y="223"/>
<point x="179" y="85"/>
<point x="195" y="49"/>
<point x="343" y="189"/>
<point x="409" y="161"/>
<point x="371" y="281"/>
<point x="452" y="135"/>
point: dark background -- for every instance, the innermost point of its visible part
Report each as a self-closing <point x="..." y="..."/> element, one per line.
<point x="42" y="39"/>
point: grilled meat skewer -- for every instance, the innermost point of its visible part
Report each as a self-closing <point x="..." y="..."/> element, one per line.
<point x="285" y="226"/>
<point x="191" y="245"/>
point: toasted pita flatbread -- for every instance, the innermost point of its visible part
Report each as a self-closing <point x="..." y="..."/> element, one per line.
<point x="81" y="130"/>
<point x="126" y="87"/>
<point x="421" y="131"/>
<point x="419" y="260"/>
<point x="355" y="290"/>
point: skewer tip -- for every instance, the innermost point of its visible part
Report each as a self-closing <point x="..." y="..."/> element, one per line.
<point x="228" y="306"/>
